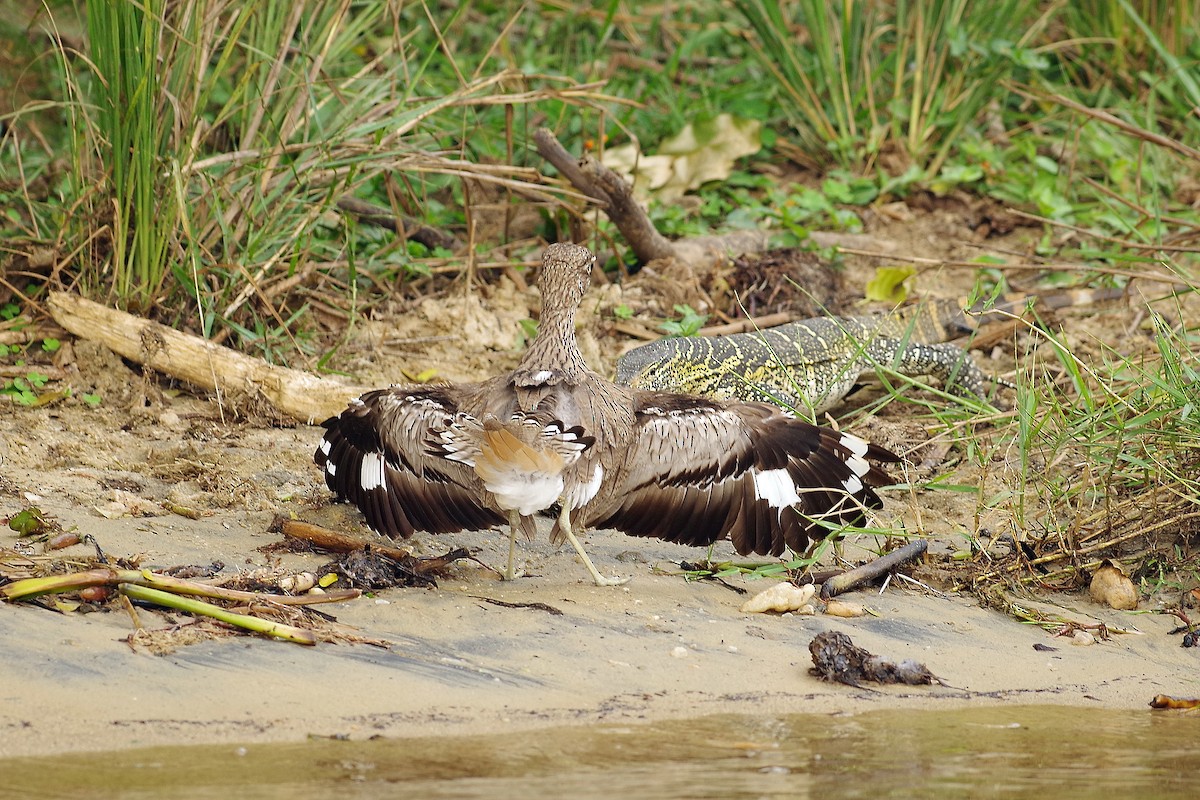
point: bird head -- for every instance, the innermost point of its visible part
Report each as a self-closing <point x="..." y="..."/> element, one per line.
<point x="566" y="273"/>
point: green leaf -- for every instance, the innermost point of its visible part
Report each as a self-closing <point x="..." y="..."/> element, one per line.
<point x="51" y="345"/>
<point x="836" y="191"/>
<point x="953" y="175"/>
<point x="28" y="522"/>
<point x="1046" y="164"/>
<point x="888" y="284"/>
<point x="92" y="400"/>
<point x="842" y="187"/>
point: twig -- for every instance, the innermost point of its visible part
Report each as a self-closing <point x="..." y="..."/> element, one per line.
<point x="940" y="263"/>
<point x="31" y="334"/>
<point x="333" y="541"/>
<point x="1166" y="248"/>
<point x="867" y="572"/>
<point x="505" y="604"/>
<point x="637" y="330"/>
<point x="1116" y="122"/>
<point x="406" y="226"/>
<point x="747" y="325"/>
<point x="53" y="373"/>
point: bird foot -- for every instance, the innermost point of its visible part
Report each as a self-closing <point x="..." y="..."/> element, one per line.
<point x="564" y="525"/>
<point x="512" y="574"/>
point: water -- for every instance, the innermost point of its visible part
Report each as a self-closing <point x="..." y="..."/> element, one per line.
<point x="986" y="752"/>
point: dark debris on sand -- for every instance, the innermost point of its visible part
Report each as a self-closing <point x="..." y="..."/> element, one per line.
<point x="837" y="658"/>
<point x="367" y="569"/>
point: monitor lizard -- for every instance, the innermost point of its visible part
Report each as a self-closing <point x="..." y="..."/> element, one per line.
<point x="814" y="363"/>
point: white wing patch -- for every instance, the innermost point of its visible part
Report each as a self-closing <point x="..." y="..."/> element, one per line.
<point x="776" y="487"/>
<point x="371" y="475"/>
<point x="856" y="462"/>
<point x="854" y="444"/>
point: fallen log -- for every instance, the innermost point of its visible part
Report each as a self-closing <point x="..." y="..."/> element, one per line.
<point x="240" y="382"/>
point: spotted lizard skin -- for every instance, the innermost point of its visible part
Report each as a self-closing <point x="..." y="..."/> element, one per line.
<point x="813" y="364"/>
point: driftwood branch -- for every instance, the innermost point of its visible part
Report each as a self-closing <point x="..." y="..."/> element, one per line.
<point x="237" y="379"/>
<point x="700" y="254"/>
<point x="612" y="192"/>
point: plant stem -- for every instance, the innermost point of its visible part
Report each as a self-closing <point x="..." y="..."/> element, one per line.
<point x="277" y="629"/>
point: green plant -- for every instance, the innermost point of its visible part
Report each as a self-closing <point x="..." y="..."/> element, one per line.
<point x="24" y="390"/>
<point x="133" y="130"/>
<point x="1104" y="451"/>
<point x="909" y="77"/>
<point x="688" y="324"/>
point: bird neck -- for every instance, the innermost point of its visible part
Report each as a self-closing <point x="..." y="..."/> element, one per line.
<point x="555" y="348"/>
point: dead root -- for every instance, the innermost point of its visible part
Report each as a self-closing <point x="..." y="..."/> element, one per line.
<point x="836" y="658"/>
<point x="1056" y="624"/>
<point x="1123" y="536"/>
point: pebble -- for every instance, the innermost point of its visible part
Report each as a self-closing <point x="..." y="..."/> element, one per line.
<point x="781" y="597"/>
<point x="1083" y="638"/>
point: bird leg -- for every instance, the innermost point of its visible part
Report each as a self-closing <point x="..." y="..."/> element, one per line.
<point x="564" y="524"/>
<point x="514" y="519"/>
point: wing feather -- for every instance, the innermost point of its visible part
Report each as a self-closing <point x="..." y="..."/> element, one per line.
<point x="390" y="430"/>
<point x="698" y="470"/>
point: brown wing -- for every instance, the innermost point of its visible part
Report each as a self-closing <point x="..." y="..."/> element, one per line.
<point x="699" y="470"/>
<point x="377" y="455"/>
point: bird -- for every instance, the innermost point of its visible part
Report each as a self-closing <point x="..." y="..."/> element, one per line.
<point x="552" y="432"/>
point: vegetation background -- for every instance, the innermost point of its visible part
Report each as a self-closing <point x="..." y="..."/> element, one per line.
<point x="266" y="174"/>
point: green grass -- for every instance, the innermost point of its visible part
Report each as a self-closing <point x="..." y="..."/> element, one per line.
<point x="212" y="141"/>
<point x="206" y="160"/>
<point x="865" y="82"/>
<point x="1099" y="455"/>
